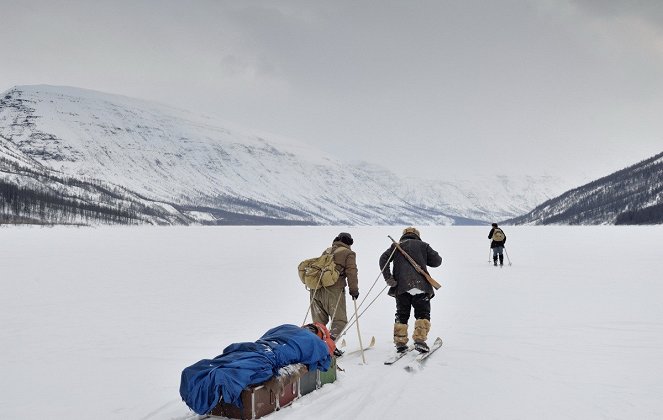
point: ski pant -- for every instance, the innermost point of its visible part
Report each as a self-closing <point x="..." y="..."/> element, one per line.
<point x="329" y="304"/>
<point x="406" y="301"/>
<point x="498" y="250"/>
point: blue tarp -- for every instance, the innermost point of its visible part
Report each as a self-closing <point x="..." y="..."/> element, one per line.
<point x="244" y="364"/>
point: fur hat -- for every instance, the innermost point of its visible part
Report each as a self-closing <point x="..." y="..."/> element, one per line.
<point x="411" y="230"/>
<point x="344" y="237"/>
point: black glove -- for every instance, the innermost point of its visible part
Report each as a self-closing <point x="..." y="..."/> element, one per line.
<point x="391" y="281"/>
<point x="354" y="295"/>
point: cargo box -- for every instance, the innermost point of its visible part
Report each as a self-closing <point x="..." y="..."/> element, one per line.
<point x="286" y="384"/>
<point x="329" y="376"/>
<point x="292" y="382"/>
<point x="257" y="401"/>
<point x="308" y="382"/>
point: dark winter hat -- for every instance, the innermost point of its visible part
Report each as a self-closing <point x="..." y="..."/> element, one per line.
<point x="318" y="329"/>
<point x="313" y="328"/>
<point x="494" y="224"/>
<point x="344" y="237"/>
<point x="411" y="230"/>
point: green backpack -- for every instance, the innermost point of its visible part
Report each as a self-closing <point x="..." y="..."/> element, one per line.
<point x="319" y="271"/>
<point x="498" y="235"/>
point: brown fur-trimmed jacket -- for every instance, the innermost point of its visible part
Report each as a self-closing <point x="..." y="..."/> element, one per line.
<point x="346" y="263"/>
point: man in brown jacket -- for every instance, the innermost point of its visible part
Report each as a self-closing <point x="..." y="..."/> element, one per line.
<point x="328" y="303"/>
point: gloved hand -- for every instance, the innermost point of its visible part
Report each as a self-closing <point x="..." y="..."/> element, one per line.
<point x="391" y="281"/>
<point x="354" y="294"/>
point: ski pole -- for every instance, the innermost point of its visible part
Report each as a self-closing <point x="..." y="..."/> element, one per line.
<point x="333" y="317"/>
<point x="366" y="296"/>
<point x="374" y="283"/>
<point x="507" y="256"/>
<point x="310" y="303"/>
<point x="347" y="326"/>
<point x="489" y="249"/>
<point x="361" y="346"/>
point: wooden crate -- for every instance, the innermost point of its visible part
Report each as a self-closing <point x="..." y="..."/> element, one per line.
<point x="263" y="399"/>
<point x="328" y="376"/>
<point x="308" y="382"/>
<point x="292" y="382"/>
<point x="257" y="401"/>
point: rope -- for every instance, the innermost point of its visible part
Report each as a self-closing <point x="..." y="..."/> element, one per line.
<point x="354" y="318"/>
<point x="335" y="308"/>
<point x="310" y="303"/>
<point x="345" y="330"/>
<point x="374" y="283"/>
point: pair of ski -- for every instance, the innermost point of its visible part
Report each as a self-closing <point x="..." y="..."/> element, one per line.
<point x="418" y="361"/>
<point x="370" y="345"/>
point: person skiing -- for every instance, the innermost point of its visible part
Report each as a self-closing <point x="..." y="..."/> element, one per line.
<point x="498" y="239"/>
<point x="328" y="303"/>
<point x="410" y="288"/>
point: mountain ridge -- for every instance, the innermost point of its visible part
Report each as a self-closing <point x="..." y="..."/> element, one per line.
<point x="188" y="161"/>
<point x="633" y="195"/>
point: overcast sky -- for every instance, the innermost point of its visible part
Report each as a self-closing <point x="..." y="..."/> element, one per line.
<point x="436" y="88"/>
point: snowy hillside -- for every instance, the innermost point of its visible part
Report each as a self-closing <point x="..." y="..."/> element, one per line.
<point x="210" y="171"/>
<point x="102" y="328"/>
<point x="633" y="195"/>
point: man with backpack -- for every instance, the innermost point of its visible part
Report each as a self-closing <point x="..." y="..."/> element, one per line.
<point x="328" y="303"/>
<point x="410" y="287"/>
<point x="498" y="239"/>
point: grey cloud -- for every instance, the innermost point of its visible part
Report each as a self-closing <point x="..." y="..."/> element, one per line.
<point x="451" y="81"/>
<point x="648" y="10"/>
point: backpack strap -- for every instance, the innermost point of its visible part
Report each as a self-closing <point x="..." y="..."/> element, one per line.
<point x="332" y="251"/>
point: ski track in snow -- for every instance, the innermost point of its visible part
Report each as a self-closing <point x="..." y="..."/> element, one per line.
<point x="98" y="323"/>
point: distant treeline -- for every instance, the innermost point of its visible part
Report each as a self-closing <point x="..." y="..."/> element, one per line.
<point x="624" y="197"/>
<point x="26" y="205"/>
<point x="652" y="215"/>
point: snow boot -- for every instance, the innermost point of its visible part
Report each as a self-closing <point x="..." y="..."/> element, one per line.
<point x="337" y="352"/>
<point x="501" y="259"/>
<point x="421" y="328"/>
<point x="400" y="335"/>
<point x="421" y="347"/>
<point x="495" y="260"/>
<point x="401" y="349"/>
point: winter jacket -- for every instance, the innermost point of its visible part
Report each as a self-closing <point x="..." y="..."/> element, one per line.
<point x="346" y="263"/>
<point x="405" y="274"/>
<point x="495" y="244"/>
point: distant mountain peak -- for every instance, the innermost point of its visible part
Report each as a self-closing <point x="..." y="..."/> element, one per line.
<point x="196" y="162"/>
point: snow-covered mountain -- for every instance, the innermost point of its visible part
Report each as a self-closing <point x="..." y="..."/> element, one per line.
<point x="630" y="196"/>
<point x="184" y="168"/>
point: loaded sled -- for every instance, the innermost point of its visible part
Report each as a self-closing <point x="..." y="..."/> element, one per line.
<point x="250" y="380"/>
<point x="292" y="382"/>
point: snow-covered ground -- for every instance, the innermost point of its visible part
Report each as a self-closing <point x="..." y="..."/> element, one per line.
<point x="98" y="323"/>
